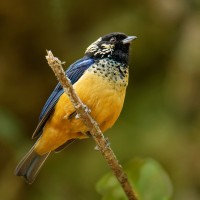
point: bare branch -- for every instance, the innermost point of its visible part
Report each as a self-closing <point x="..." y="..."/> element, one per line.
<point x="97" y="135"/>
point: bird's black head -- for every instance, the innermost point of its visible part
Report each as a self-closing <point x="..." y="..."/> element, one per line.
<point x="113" y="45"/>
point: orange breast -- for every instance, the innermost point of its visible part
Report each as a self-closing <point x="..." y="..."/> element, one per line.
<point x="105" y="100"/>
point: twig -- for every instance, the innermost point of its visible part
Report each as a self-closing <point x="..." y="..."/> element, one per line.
<point x="102" y="143"/>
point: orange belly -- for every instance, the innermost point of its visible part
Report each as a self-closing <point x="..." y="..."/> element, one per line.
<point x="105" y="100"/>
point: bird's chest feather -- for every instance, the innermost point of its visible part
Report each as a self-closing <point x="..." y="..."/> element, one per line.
<point x="102" y="88"/>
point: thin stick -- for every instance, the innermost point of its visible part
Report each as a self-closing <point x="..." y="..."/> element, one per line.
<point x="97" y="135"/>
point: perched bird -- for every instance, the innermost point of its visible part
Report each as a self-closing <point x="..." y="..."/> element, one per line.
<point x="100" y="79"/>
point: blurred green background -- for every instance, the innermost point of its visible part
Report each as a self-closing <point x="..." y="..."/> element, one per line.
<point x="161" y="115"/>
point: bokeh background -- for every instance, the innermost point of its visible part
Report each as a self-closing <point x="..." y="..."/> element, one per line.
<point x="161" y="115"/>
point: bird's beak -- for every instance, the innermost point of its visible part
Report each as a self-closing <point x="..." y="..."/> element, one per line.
<point x="128" y="39"/>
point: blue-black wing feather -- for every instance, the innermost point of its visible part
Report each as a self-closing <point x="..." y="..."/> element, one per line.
<point x="74" y="72"/>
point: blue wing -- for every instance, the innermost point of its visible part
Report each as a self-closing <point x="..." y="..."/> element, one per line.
<point x="74" y="72"/>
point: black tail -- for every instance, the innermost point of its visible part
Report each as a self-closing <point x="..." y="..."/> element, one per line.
<point x="30" y="165"/>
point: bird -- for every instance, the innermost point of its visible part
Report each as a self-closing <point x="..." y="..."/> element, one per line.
<point x="100" y="79"/>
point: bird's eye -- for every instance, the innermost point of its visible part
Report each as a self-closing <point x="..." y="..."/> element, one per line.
<point x="113" y="39"/>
